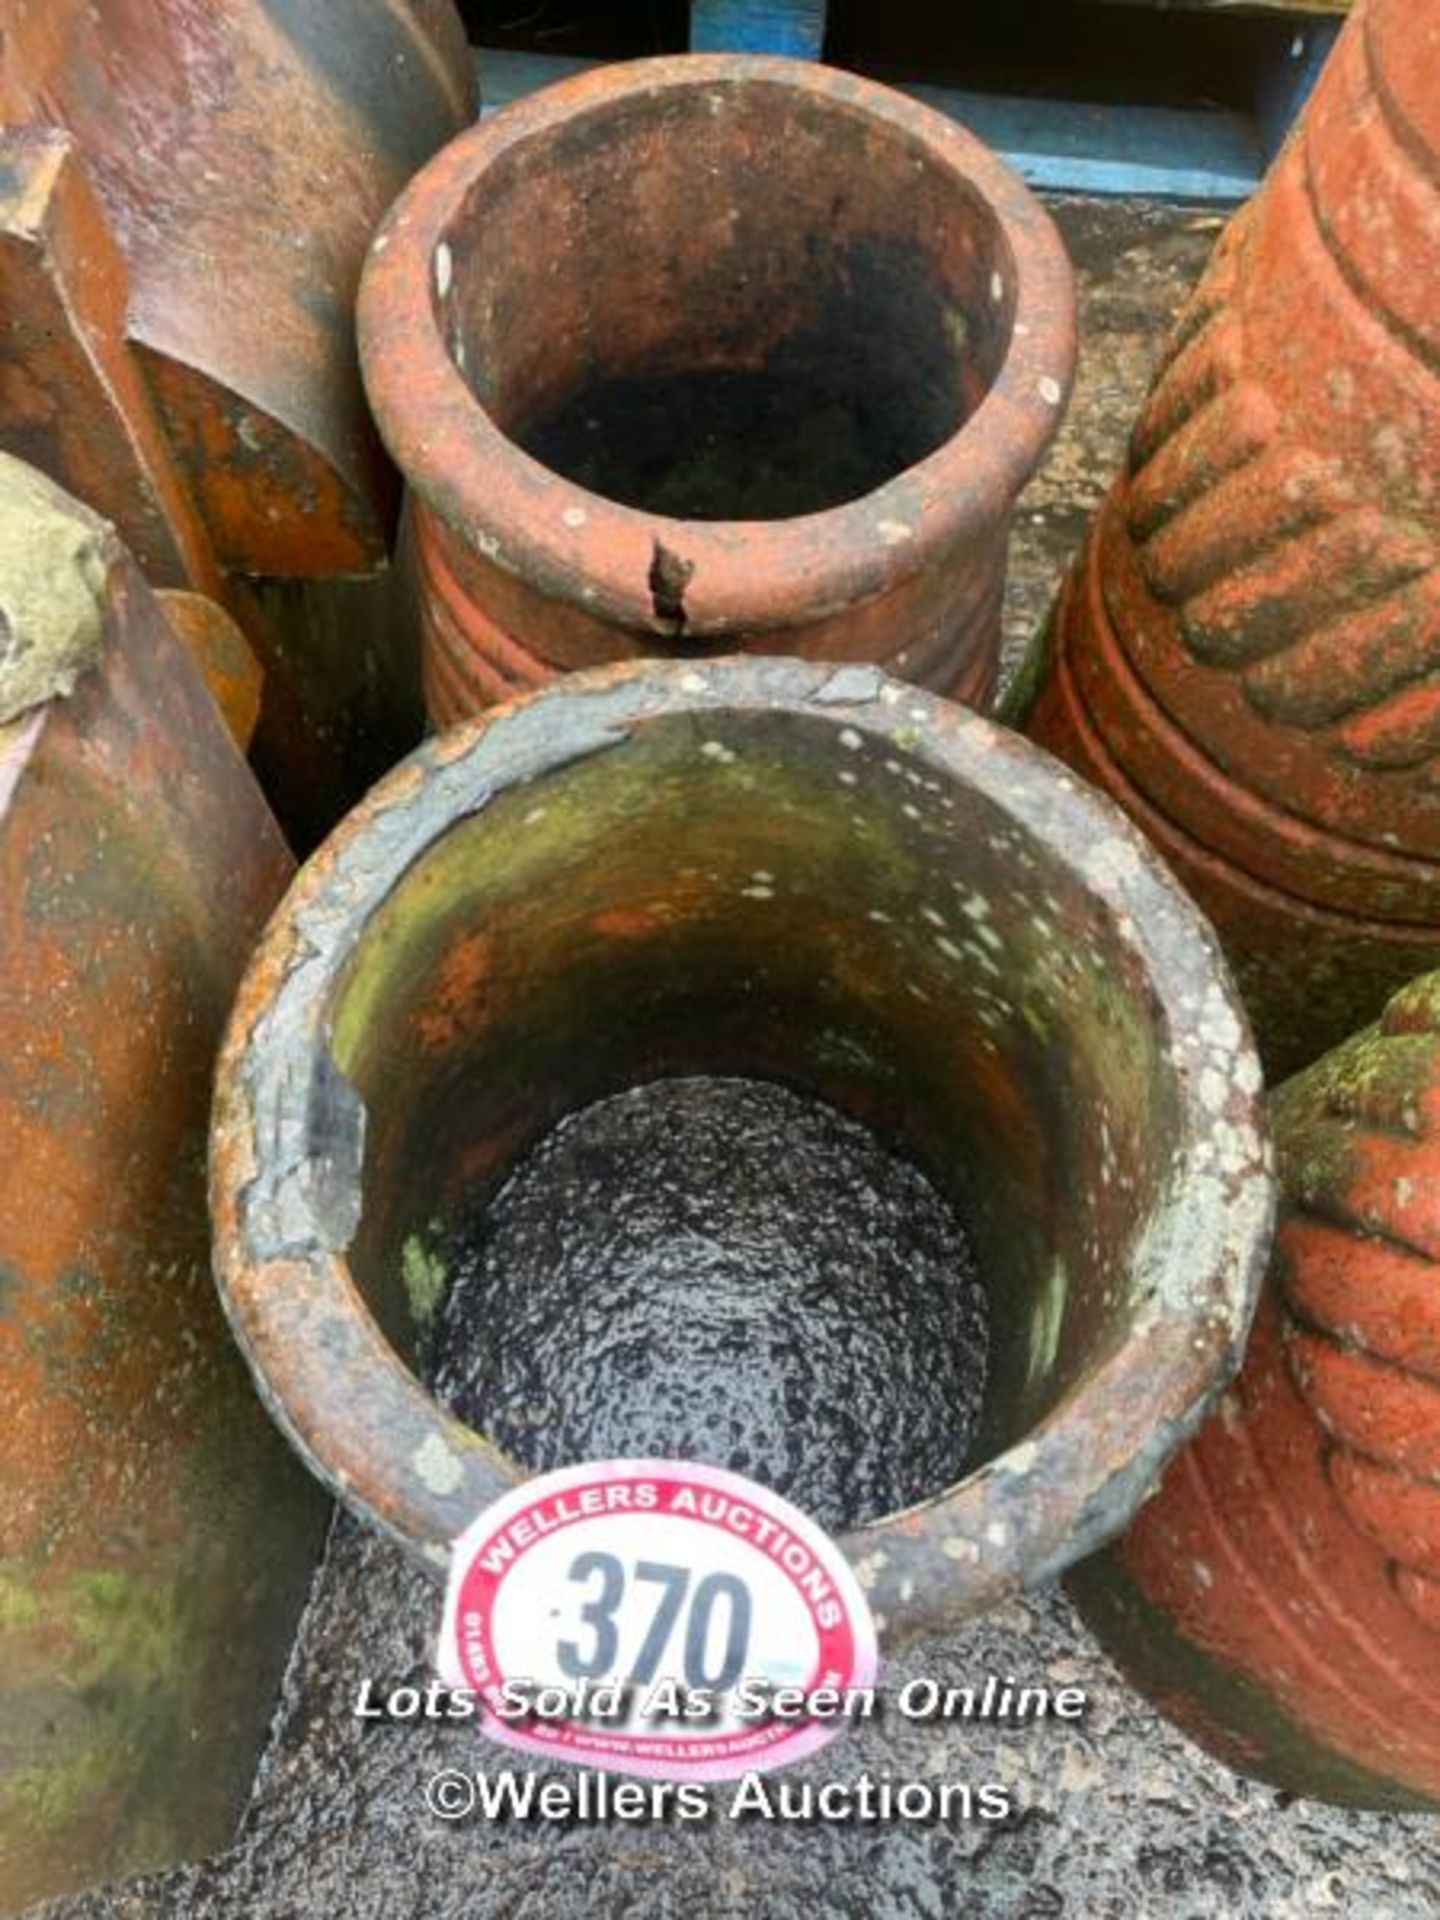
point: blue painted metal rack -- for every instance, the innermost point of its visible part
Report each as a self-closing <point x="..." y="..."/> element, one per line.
<point x="1193" y="153"/>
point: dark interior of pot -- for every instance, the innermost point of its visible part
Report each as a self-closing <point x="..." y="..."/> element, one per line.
<point x="723" y="1269"/>
<point x="768" y="897"/>
<point x="726" y="301"/>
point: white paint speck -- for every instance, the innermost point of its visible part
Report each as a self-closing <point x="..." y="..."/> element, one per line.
<point x="868" y="1570"/>
<point x="894" y="532"/>
<point x="1050" y="390"/>
<point x="438" y="1468"/>
<point x="444" y="269"/>
<point x="997" y="288"/>
<point x="574" y="516"/>
<point x="1112" y="863"/>
<point x="849" y="738"/>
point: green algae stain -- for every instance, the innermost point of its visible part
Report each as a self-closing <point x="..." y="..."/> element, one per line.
<point x="1037" y="1023"/>
<point x="113" y="1701"/>
<point x="20" y="1607"/>
<point x="124" y="1624"/>
<point x="57" y="1791"/>
<point x="426" y="1282"/>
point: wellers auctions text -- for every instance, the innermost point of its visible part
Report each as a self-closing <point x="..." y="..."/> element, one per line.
<point x="599" y="1799"/>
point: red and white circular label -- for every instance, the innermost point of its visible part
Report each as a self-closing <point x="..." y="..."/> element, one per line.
<point x="654" y="1617"/>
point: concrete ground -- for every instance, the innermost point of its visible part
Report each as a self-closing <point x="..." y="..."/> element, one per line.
<point x="1116" y="1817"/>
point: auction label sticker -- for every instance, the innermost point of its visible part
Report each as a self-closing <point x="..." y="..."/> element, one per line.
<point x="635" y="1614"/>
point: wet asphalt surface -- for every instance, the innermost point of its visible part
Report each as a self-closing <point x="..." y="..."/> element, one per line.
<point x="1116" y="1818"/>
<point x="722" y="1270"/>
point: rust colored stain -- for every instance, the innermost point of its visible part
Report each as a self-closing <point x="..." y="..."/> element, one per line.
<point x="462" y="977"/>
<point x="1294" y="1549"/>
<point x="1247" y="654"/>
<point x="155" y="1542"/>
<point x="223" y="655"/>
<point x="624" y="923"/>
<point x="726" y="225"/>
<point x="243" y="155"/>
<point x="72" y="400"/>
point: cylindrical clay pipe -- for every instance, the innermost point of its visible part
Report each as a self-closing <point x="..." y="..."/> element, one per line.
<point x="1280" y="1596"/>
<point x="156" y="1544"/>
<point x="1247" y="656"/>
<point x="948" y="938"/>
<point x="714" y="353"/>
